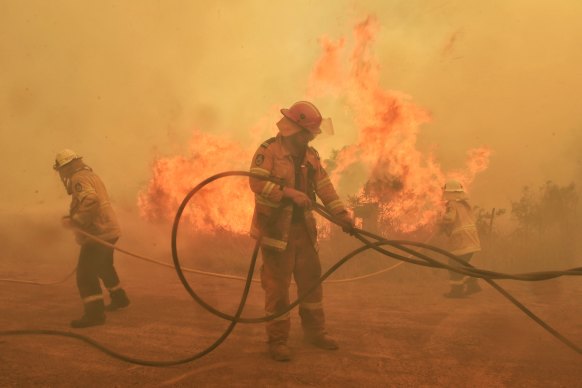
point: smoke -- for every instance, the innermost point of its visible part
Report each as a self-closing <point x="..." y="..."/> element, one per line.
<point x="124" y="83"/>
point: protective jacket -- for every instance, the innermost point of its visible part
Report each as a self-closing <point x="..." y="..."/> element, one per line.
<point x="90" y="207"/>
<point x="459" y="223"/>
<point x="273" y="214"/>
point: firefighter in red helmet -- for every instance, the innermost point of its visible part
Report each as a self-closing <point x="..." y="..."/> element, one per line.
<point x="287" y="226"/>
<point x="91" y="211"/>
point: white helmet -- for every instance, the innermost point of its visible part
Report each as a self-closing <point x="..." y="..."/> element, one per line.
<point x="453" y="186"/>
<point x="64" y="157"/>
<point x="453" y="191"/>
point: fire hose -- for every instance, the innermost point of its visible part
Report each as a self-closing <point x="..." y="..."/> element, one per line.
<point x="413" y="257"/>
<point x="40" y="283"/>
<point x="184" y="269"/>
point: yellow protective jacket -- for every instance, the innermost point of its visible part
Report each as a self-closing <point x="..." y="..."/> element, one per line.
<point x="460" y="225"/>
<point x="273" y="214"/>
<point x="90" y="208"/>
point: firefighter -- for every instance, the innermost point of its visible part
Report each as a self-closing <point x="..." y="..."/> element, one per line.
<point x="458" y="224"/>
<point x="91" y="211"/>
<point x="283" y="219"/>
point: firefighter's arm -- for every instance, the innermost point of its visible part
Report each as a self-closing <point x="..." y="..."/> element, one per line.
<point x="326" y="192"/>
<point x="67" y="222"/>
<point x="298" y="197"/>
<point x="88" y="203"/>
<point x="262" y="165"/>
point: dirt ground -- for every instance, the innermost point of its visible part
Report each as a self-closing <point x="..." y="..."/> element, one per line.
<point x="394" y="330"/>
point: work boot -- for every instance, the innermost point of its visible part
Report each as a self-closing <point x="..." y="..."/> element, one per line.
<point x="119" y="300"/>
<point x="455" y="292"/>
<point x="94" y="315"/>
<point x="472" y="287"/>
<point x="322" y="341"/>
<point x="279" y="351"/>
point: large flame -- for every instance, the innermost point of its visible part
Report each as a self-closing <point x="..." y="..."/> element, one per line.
<point x="384" y="163"/>
<point x="383" y="167"/>
<point x="225" y="205"/>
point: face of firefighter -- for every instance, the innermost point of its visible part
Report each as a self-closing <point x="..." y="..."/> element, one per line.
<point x="301" y="139"/>
<point x="65" y="178"/>
<point x="66" y="171"/>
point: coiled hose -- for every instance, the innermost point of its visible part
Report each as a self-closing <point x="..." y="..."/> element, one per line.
<point x="378" y="245"/>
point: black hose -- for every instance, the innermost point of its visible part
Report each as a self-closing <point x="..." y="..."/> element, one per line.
<point x="420" y="259"/>
<point x="501" y="290"/>
<point x="161" y="363"/>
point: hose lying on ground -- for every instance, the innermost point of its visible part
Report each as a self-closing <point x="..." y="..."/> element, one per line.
<point x="378" y="245"/>
<point x="36" y="283"/>
<point x="184" y="269"/>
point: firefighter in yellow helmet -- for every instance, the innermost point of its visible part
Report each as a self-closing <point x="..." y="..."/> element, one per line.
<point x="91" y="211"/>
<point x="458" y="223"/>
<point x="284" y="220"/>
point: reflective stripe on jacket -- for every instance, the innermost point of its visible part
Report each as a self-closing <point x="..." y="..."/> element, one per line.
<point x="90" y="208"/>
<point x="273" y="213"/>
<point x="463" y="237"/>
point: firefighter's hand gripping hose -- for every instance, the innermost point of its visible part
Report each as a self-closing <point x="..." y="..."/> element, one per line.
<point x="412" y="256"/>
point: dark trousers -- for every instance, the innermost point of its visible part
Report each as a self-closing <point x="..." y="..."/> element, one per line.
<point x="457" y="279"/>
<point x="95" y="262"/>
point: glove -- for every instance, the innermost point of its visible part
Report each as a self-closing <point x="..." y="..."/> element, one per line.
<point x="346" y="222"/>
<point x="298" y="197"/>
<point x="67" y="222"/>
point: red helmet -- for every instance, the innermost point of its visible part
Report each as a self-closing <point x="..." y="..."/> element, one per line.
<point x="306" y="115"/>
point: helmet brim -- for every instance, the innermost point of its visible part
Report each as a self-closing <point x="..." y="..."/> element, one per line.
<point x="455" y="196"/>
<point x="58" y="166"/>
<point x="287" y="113"/>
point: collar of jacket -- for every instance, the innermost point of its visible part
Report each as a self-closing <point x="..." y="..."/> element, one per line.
<point x="85" y="167"/>
<point x="284" y="151"/>
<point x="308" y="158"/>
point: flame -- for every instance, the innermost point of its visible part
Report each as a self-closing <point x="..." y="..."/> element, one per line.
<point x="384" y="163"/>
<point x="383" y="167"/>
<point x="225" y="205"/>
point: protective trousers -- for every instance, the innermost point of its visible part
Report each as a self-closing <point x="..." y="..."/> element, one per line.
<point x="96" y="262"/>
<point x="301" y="260"/>
<point x="458" y="280"/>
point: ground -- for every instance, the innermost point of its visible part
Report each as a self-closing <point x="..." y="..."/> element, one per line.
<point x="394" y="330"/>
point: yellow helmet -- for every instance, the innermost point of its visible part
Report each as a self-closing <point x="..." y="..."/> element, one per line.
<point x="64" y="157"/>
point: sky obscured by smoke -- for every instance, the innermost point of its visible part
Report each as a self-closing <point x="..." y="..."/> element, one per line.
<point x="123" y="82"/>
